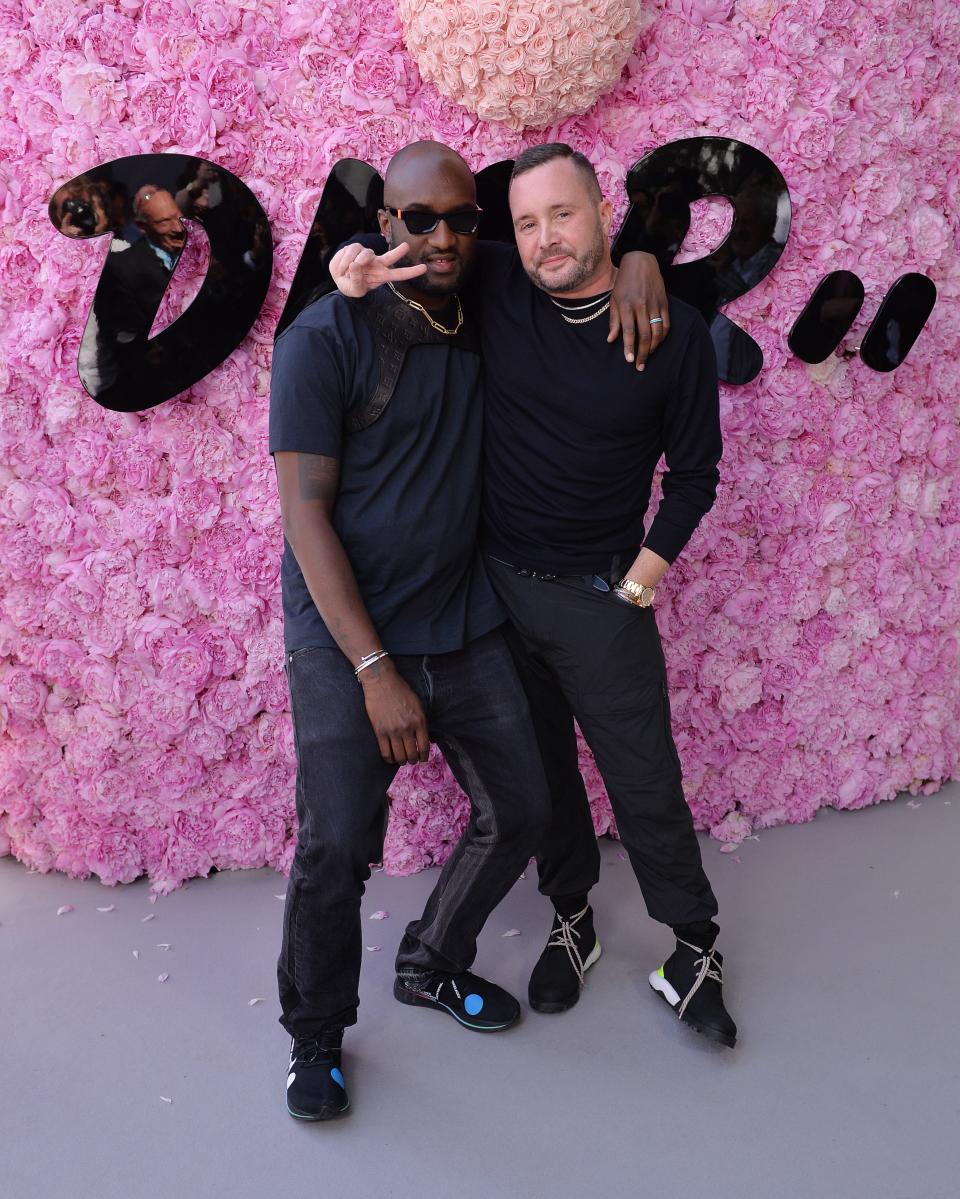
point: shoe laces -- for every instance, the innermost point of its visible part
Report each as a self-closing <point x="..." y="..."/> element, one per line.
<point x="706" y="966"/>
<point x="306" y="1050"/>
<point x="452" y="980"/>
<point x="431" y="983"/>
<point x="562" y="937"/>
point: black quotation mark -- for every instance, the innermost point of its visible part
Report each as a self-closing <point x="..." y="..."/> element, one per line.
<point x="835" y="305"/>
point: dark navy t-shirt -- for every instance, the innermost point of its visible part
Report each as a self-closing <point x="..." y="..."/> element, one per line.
<point x="409" y="502"/>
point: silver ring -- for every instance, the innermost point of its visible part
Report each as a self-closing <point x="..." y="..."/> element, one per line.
<point x="656" y="320"/>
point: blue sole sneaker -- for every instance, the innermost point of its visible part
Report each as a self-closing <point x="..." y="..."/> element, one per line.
<point x="316" y="1089"/>
<point x="472" y="1001"/>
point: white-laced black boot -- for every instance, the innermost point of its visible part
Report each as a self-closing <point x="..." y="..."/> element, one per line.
<point x="571" y="949"/>
<point x="691" y="982"/>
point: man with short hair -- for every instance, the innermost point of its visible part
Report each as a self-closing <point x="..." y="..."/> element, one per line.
<point x="572" y="438"/>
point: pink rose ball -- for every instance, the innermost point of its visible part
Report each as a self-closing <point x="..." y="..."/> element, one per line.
<point x="528" y="64"/>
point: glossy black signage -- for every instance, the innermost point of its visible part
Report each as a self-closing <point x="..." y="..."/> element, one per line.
<point x="148" y="204"/>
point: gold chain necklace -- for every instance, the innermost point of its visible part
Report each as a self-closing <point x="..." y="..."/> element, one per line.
<point x="433" y="324"/>
<point x="582" y="320"/>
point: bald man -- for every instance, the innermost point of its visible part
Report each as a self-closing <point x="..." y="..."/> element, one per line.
<point x="392" y="629"/>
<point x="134" y="280"/>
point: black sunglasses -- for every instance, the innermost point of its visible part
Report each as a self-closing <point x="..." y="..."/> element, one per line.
<point x="419" y="222"/>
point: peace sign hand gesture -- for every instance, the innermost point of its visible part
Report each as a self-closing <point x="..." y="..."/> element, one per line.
<point x="356" y="269"/>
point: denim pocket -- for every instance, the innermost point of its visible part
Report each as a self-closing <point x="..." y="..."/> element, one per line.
<point x="297" y="653"/>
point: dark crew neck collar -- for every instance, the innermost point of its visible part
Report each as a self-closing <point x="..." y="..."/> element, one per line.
<point x="580" y="301"/>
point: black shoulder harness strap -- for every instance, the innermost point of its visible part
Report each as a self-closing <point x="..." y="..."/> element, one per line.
<point x="395" y="327"/>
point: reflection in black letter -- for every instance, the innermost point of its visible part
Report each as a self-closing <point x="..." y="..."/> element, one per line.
<point x="144" y="201"/>
<point x="663" y="184"/>
<point x="897" y="325"/>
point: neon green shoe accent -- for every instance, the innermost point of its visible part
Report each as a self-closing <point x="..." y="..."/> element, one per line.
<point x="660" y="972"/>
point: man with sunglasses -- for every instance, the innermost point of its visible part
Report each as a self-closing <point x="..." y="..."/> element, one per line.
<point x="392" y="629"/>
<point x="572" y="440"/>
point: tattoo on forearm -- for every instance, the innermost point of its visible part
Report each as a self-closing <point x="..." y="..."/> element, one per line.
<point x="318" y="477"/>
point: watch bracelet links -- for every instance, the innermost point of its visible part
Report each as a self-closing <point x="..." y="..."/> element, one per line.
<point x="633" y="592"/>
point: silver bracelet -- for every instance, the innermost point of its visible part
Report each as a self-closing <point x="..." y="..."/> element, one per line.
<point x="369" y="660"/>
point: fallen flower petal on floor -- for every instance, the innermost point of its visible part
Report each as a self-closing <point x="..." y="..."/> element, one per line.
<point x="730" y="847"/>
<point x="912" y="803"/>
<point x="251" y="1002"/>
<point x="379" y="916"/>
<point x="136" y="954"/>
<point x="162" y="978"/>
<point x="165" y="1099"/>
<point x="164" y="945"/>
<point x="279" y="897"/>
<point x="67" y="907"/>
<point x="152" y="916"/>
<point x="109" y="909"/>
<point x="511" y="932"/>
<point x="374" y="948"/>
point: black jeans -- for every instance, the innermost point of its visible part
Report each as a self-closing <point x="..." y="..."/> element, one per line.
<point x="478" y="715"/>
<point x="584" y="654"/>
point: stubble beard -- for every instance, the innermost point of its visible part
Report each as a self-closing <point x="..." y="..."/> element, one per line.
<point x="581" y="268"/>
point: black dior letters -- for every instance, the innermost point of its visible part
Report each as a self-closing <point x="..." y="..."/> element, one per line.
<point x="149" y="203"/>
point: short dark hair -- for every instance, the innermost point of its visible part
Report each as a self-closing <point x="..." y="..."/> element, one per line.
<point x="536" y="156"/>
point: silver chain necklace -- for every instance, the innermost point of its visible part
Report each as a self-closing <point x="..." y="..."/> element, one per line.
<point x="580" y="307"/>
<point x="583" y="320"/>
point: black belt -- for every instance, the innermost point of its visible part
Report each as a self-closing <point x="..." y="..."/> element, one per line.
<point x="601" y="581"/>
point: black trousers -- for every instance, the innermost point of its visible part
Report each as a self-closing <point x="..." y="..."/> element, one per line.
<point x="477" y="713"/>
<point x="583" y="654"/>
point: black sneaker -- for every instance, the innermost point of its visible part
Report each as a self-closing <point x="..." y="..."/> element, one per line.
<point x="691" y="981"/>
<point x="470" y="1000"/>
<point x="571" y="950"/>
<point x="315" y="1086"/>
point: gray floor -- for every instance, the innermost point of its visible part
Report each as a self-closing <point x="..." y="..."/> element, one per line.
<point x="843" y="973"/>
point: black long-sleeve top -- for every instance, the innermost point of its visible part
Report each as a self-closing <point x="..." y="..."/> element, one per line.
<point x="573" y="433"/>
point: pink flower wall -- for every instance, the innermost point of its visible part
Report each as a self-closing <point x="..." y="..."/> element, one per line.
<point x="811" y="625"/>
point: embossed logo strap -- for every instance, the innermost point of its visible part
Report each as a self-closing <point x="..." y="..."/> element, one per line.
<point x="396" y="327"/>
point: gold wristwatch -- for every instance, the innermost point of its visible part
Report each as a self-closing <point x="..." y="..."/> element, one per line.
<point x="635" y="593"/>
